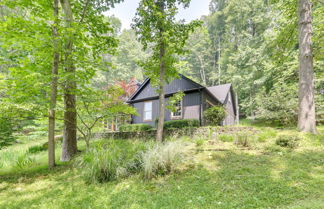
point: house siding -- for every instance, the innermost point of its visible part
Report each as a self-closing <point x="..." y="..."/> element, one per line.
<point x="230" y="114"/>
<point x="140" y="110"/>
<point x="190" y="104"/>
<point x="194" y="102"/>
<point x="176" y="85"/>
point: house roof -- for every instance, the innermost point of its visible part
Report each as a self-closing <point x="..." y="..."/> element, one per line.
<point x="220" y="91"/>
<point x="132" y="97"/>
<point x="139" y="89"/>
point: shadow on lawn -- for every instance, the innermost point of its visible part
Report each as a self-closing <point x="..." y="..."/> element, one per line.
<point x="240" y="181"/>
<point x="29" y="175"/>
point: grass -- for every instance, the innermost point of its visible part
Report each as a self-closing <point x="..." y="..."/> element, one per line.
<point x="223" y="175"/>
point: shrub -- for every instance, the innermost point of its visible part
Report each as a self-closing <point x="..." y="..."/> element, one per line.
<point x="134" y="127"/>
<point x="181" y="123"/>
<point x="214" y="115"/>
<point x="161" y="159"/>
<point x="110" y="161"/>
<point x="277" y="106"/>
<point x="36" y="149"/>
<point x="226" y="138"/>
<point x="242" y="139"/>
<point x="99" y="164"/>
<point x="289" y="141"/>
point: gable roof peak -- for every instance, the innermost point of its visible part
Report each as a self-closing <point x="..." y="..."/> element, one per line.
<point x="220" y="91"/>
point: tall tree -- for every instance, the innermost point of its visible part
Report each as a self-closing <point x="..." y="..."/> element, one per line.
<point x="124" y="64"/>
<point x="69" y="148"/>
<point x="27" y="40"/>
<point x="306" y="113"/>
<point x="200" y="57"/>
<point x="55" y="68"/>
<point x="89" y="19"/>
<point x="156" y="26"/>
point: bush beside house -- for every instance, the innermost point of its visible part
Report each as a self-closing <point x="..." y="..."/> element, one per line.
<point x="181" y="123"/>
<point x="134" y="127"/>
<point x="214" y="115"/>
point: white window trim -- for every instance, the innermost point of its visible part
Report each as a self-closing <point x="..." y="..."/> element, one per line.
<point x="144" y="119"/>
<point x="178" y="116"/>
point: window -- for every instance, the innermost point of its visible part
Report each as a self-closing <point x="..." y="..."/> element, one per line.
<point x="178" y="112"/>
<point x="147" y="111"/>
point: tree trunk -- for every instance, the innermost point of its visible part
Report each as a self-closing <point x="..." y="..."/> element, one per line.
<point x="202" y="70"/>
<point x="51" y="115"/>
<point x="159" y="133"/>
<point x="237" y="110"/>
<point x="218" y="62"/>
<point x="306" y="112"/>
<point x="69" y="148"/>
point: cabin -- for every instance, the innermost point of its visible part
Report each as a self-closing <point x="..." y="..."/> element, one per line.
<point x="197" y="99"/>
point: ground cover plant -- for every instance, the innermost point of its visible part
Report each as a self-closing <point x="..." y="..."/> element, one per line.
<point x="220" y="175"/>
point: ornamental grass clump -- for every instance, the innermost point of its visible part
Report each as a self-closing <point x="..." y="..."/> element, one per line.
<point x="24" y="160"/>
<point x="110" y="161"/>
<point x="162" y="159"/>
<point x="100" y="165"/>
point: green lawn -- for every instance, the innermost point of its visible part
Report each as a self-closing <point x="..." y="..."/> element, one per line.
<point x="215" y="175"/>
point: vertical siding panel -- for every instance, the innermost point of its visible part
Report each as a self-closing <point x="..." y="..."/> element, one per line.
<point x="175" y="86"/>
<point x="230" y="117"/>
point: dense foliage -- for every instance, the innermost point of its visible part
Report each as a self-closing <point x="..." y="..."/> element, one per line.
<point x="181" y="123"/>
<point x="135" y="127"/>
<point x="241" y="43"/>
<point x="119" y="159"/>
<point x="214" y="115"/>
<point x="109" y="161"/>
<point x="6" y="132"/>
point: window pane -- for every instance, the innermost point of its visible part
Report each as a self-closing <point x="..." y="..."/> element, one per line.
<point x="147" y="106"/>
<point x="178" y="111"/>
<point x="148" y="115"/>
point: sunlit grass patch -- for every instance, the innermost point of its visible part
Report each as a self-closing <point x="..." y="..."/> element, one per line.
<point x="226" y="138"/>
<point x="266" y="134"/>
<point x="220" y="175"/>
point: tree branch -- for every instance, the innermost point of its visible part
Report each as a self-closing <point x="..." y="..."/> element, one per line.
<point x="84" y="11"/>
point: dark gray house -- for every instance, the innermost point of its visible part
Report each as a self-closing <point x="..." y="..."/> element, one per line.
<point x="197" y="99"/>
